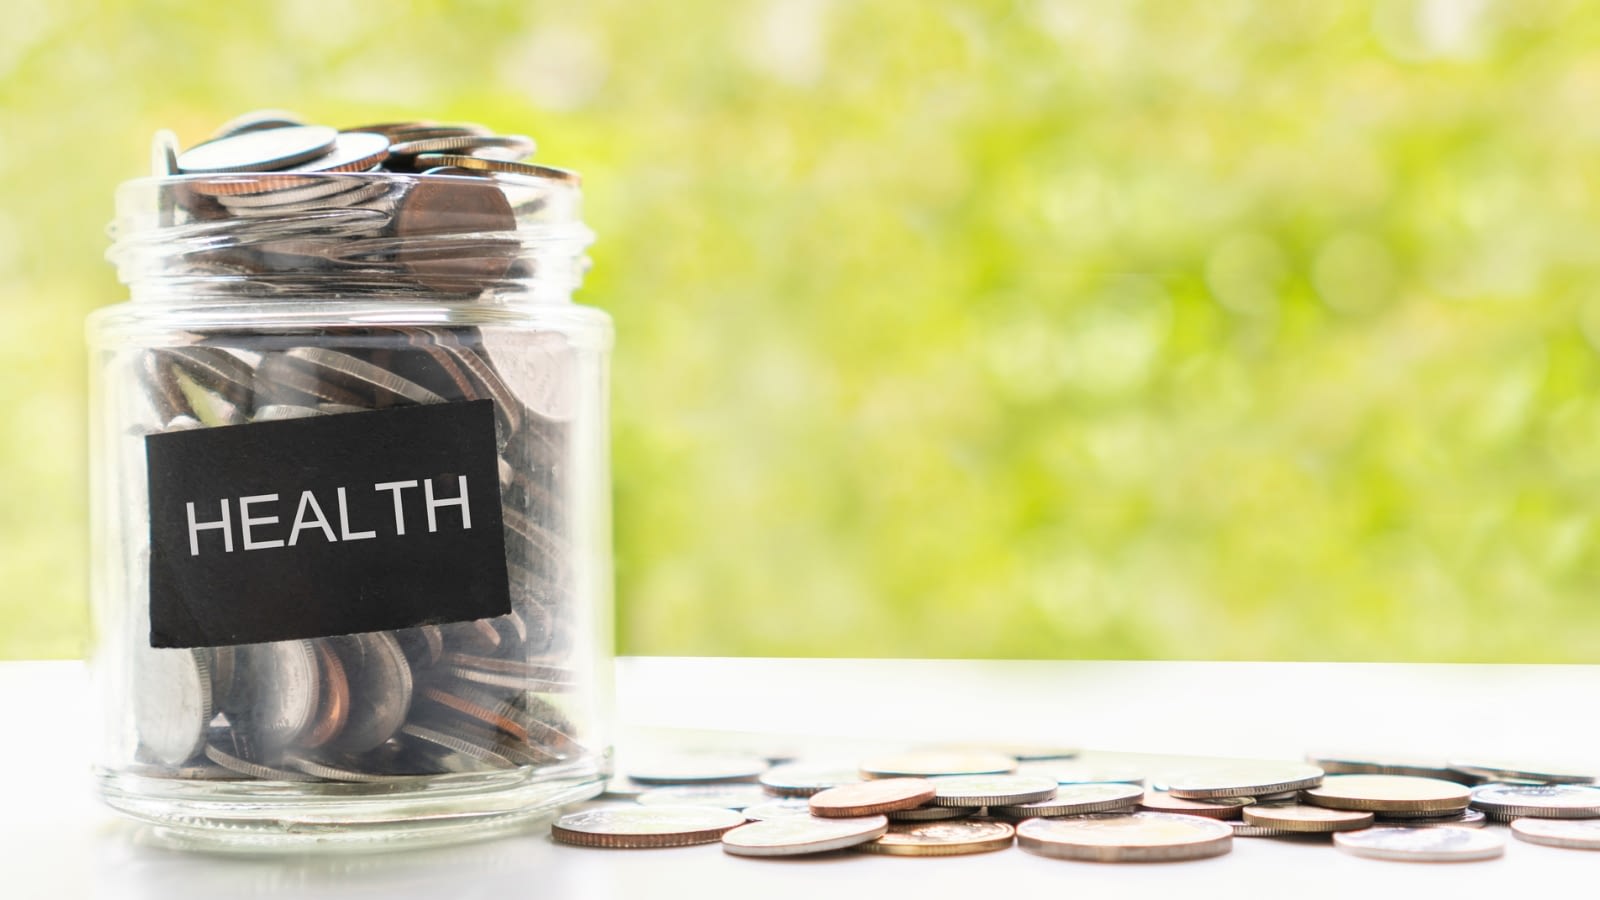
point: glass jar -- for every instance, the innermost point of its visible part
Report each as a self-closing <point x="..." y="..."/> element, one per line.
<point x="350" y="514"/>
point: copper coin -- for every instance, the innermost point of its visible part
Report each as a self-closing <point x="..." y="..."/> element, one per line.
<point x="942" y="839"/>
<point x="493" y="717"/>
<point x="447" y="233"/>
<point x="497" y="166"/>
<point x="335" y="707"/>
<point x="870" y="798"/>
<point x="1245" y="778"/>
<point x="1302" y="818"/>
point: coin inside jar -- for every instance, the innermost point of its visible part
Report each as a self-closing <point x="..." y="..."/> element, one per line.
<point x="870" y="798"/>
<point x="1075" y="799"/>
<point x="991" y="790"/>
<point x="1244" y="779"/>
<point x="1217" y="808"/>
<point x="928" y="763"/>
<point x="1571" y="834"/>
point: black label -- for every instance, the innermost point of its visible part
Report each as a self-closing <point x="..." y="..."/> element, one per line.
<point x="326" y="525"/>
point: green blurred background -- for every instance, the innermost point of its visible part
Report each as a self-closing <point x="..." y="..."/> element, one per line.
<point x="1034" y="329"/>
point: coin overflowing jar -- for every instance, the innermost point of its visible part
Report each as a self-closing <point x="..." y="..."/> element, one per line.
<point x="350" y="491"/>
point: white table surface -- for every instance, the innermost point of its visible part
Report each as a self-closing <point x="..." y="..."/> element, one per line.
<point x="57" y="841"/>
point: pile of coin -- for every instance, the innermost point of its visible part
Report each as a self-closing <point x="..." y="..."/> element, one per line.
<point x="943" y="802"/>
<point x="430" y="200"/>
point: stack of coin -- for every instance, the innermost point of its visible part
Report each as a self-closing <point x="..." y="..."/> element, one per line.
<point x="403" y="210"/>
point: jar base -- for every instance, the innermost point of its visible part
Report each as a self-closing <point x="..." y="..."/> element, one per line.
<point x="267" y="817"/>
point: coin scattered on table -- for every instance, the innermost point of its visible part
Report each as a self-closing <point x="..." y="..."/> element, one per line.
<point x="871" y="798"/>
<point x="726" y="796"/>
<point x="1391" y="794"/>
<point x="1503" y="802"/>
<point x="1306" y="819"/>
<point x="800" y="779"/>
<point x="800" y="835"/>
<point x="1244" y="779"/>
<point x="928" y="763"/>
<point x="1218" y="808"/>
<point x="1130" y="837"/>
<point x="1467" y="818"/>
<point x="942" y="839"/>
<point x="1571" y="834"/>
<point x="991" y="790"/>
<point x="1503" y="770"/>
<point x="1074" y="800"/>
<point x="931" y="813"/>
<point x="1437" y="844"/>
<point x="629" y="827"/>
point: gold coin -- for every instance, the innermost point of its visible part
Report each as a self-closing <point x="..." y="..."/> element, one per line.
<point x="1307" y="819"/>
<point x="1389" y="793"/>
<point x="942" y="839"/>
<point x="869" y="798"/>
<point x="1130" y="837"/>
<point x="1573" y="834"/>
<point x="800" y="835"/>
<point x="1220" y="808"/>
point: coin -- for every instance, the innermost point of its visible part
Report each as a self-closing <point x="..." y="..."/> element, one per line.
<point x="380" y="690"/>
<point x="1075" y="799"/>
<point x="250" y="769"/>
<point x="259" y="151"/>
<point x="334" y="689"/>
<point x="726" y="796"/>
<point x="1503" y="771"/>
<point x="991" y="790"/>
<point x="1380" y="764"/>
<point x="1467" y="818"/>
<point x="870" y="798"/>
<point x="645" y="826"/>
<point x="509" y="147"/>
<point x="1219" y="808"/>
<point x="1304" y="818"/>
<point x="445" y="740"/>
<point x="332" y="773"/>
<point x="278" y="694"/>
<point x="1545" y="801"/>
<point x="354" y="373"/>
<point x="796" y="835"/>
<point x="496" y="166"/>
<point x="931" y="813"/>
<point x="432" y="212"/>
<point x="1572" y="834"/>
<point x="1126" y="837"/>
<point x="1389" y="794"/>
<point x="802" y="779"/>
<point x="1438" y="844"/>
<point x="1081" y="772"/>
<point x="774" y="809"/>
<point x="171" y="702"/>
<point x="1244" y="779"/>
<point x="941" y="839"/>
<point x="697" y="767"/>
<point x="926" y="763"/>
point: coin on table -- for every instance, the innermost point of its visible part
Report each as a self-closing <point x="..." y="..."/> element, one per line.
<point x="1083" y="772"/>
<point x="1126" y="837"/>
<point x="1303" y="818"/>
<point x="1380" y="764"/>
<point x="942" y="839"/>
<point x="777" y="809"/>
<point x="1572" y="834"/>
<point x="928" y="763"/>
<point x="931" y="813"/>
<point x="991" y="790"/>
<point x="1438" y="844"/>
<point x="1389" y="794"/>
<point x="1075" y="800"/>
<point x="797" y="836"/>
<point x="1219" y="808"/>
<point x="686" y="768"/>
<point x="645" y="826"/>
<point x="803" y="779"/>
<point x="871" y="798"/>
<point x="1506" y="770"/>
<point x="1544" y="801"/>
<point x="726" y="796"/>
<point x="496" y="167"/>
<point x="259" y="151"/>
<point x="172" y="702"/>
<point x="1467" y="818"/>
<point x="1244" y="779"/>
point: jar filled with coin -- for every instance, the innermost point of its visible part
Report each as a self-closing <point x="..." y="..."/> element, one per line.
<point x="351" y="574"/>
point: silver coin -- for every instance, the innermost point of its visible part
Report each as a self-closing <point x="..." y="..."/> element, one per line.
<point x="464" y="755"/>
<point x="171" y="702"/>
<point x="777" y="809"/>
<point x="278" y="691"/>
<point x="726" y="796"/>
<point x="252" y="769"/>
<point x="1306" y="819"/>
<point x="259" y="151"/>
<point x="928" y="763"/>
<point x="1244" y="779"/>
<point x="1508" y="771"/>
<point x="1126" y="837"/>
<point x="931" y="813"/>
<point x="1544" y="801"/>
<point x="1572" y="834"/>
<point x="1083" y="772"/>
<point x="1246" y="830"/>
<point x="1467" y="818"/>
<point x="541" y="368"/>
<point x="797" y="836"/>
<point x="381" y="689"/>
<point x="361" y="375"/>
<point x="1076" y="799"/>
<point x="942" y="839"/>
<point x="1437" y="844"/>
<point x="645" y="826"/>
